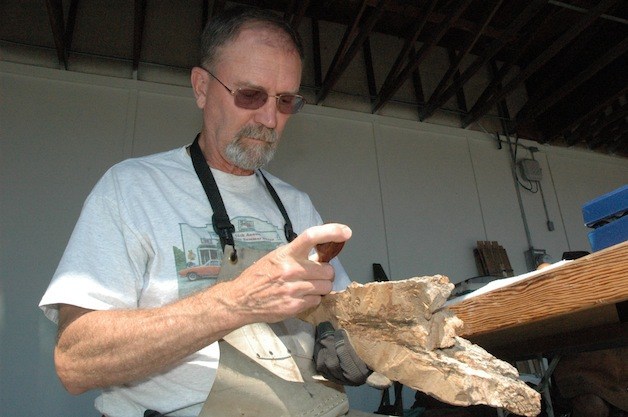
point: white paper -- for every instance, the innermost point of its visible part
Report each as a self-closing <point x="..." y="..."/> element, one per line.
<point x="504" y="282"/>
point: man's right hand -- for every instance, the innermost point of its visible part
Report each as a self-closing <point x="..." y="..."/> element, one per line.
<point x="288" y="280"/>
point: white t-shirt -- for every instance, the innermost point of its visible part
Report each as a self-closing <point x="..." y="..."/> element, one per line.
<point x="145" y="239"/>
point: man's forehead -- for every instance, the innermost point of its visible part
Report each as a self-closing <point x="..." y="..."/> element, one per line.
<point x="260" y="33"/>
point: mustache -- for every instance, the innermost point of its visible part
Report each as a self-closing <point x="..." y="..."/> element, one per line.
<point x="262" y="133"/>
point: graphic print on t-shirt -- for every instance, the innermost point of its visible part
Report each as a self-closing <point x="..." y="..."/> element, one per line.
<point x="199" y="255"/>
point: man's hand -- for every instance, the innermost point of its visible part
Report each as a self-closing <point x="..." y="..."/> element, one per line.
<point x="287" y="281"/>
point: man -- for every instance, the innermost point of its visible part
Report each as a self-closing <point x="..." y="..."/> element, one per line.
<point x="129" y="323"/>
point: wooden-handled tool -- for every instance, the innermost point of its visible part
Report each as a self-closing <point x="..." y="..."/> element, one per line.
<point x="328" y="251"/>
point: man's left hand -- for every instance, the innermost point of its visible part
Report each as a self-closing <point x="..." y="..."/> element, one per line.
<point x="336" y="359"/>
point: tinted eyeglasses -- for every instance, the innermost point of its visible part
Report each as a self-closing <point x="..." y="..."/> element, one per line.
<point x="253" y="99"/>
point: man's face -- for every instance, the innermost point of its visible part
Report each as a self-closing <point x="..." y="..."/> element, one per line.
<point x="240" y="140"/>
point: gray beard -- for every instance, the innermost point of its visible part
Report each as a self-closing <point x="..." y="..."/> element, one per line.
<point x="252" y="157"/>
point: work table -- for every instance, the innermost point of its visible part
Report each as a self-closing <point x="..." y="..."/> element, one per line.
<point x="577" y="305"/>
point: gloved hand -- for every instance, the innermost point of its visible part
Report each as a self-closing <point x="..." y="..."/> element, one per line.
<point x="335" y="358"/>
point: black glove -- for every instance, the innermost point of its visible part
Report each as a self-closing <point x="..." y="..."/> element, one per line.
<point x="153" y="413"/>
<point x="335" y="358"/>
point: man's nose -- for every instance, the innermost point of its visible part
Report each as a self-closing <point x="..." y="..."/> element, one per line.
<point x="267" y="114"/>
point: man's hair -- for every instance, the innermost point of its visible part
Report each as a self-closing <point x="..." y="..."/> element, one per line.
<point x="226" y="26"/>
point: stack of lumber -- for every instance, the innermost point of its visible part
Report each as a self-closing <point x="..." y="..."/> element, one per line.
<point x="492" y="260"/>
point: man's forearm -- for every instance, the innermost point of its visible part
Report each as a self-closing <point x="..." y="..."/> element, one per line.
<point x="104" y="348"/>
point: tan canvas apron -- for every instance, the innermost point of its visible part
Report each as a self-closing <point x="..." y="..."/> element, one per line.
<point x="245" y="388"/>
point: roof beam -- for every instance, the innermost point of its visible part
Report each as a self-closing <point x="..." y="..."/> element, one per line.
<point x="592" y="130"/>
<point x="540" y="60"/>
<point x="437" y="100"/>
<point x="410" y="44"/>
<point x="295" y="17"/>
<point x="368" y="65"/>
<point x="69" y="30"/>
<point x="350" y="46"/>
<point x="416" y="12"/>
<point x="610" y="132"/>
<point x="578" y="124"/>
<point x="417" y="83"/>
<point x="57" y="24"/>
<point x="316" y="52"/>
<point x="138" y="33"/>
<point x="455" y="61"/>
<point x="342" y="48"/>
<point x="390" y="88"/>
<point x="460" y="98"/>
<point x="532" y="109"/>
<point x="619" y="144"/>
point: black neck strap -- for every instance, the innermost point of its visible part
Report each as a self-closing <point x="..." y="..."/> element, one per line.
<point x="220" y="220"/>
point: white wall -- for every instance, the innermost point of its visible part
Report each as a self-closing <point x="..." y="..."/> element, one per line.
<point x="417" y="196"/>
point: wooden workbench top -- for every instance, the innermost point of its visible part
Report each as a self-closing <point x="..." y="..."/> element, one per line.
<point x="579" y="293"/>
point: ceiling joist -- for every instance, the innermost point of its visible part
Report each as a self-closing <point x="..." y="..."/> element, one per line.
<point x="456" y="61"/>
<point x="351" y="45"/>
<point x="57" y="24"/>
<point x="540" y="60"/>
<point x="547" y="70"/>
<point x="522" y="19"/>
<point x="534" y="109"/>
<point x="389" y="89"/>
<point x="138" y="33"/>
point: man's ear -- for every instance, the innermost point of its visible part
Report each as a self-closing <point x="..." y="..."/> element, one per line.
<point x="199" y="79"/>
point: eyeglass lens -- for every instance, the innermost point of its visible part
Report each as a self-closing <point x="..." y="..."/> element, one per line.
<point x="254" y="99"/>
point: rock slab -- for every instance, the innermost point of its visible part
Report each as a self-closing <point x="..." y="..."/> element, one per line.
<point x="401" y="330"/>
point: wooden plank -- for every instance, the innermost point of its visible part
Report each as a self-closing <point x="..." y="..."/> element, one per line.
<point x="591" y="281"/>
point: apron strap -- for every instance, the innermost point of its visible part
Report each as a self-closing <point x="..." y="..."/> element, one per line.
<point x="220" y="219"/>
<point x="289" y="232"/>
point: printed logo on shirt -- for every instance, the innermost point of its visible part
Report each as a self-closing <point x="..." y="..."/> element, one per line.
<point x="199" y="255"/>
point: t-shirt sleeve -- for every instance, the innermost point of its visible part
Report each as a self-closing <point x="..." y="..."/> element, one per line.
<point x="103" y="265"/>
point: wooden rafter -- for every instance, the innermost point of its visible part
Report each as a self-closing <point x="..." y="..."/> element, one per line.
<point x="496" y="45"/>
<point x="57" y="24"/>
<point x="388" y="90"/>
<point x="436" y="17"/>
<point x="316" y="52"/>
<point x="417" y="83"/>
<point x="571" y="131"/>
<point x="603" y="125"/>
<point x="521" y="48"/>
<point x="296" y="12"/>
<point x="460" y="98"/>
<point x="533" y="109"/>
<point x="409" y="45"/>
<point x="350" y="48"/>
<point x="540" y="60"/>
<point x="620" y="142"/>
<point x="456" y="61"/>
<point x="71" y="24"/>
<point x="138" y="33"/>
<point x="368" y="65"/>
<point x="347" y="38"/>
<point x="610" y="133"/>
